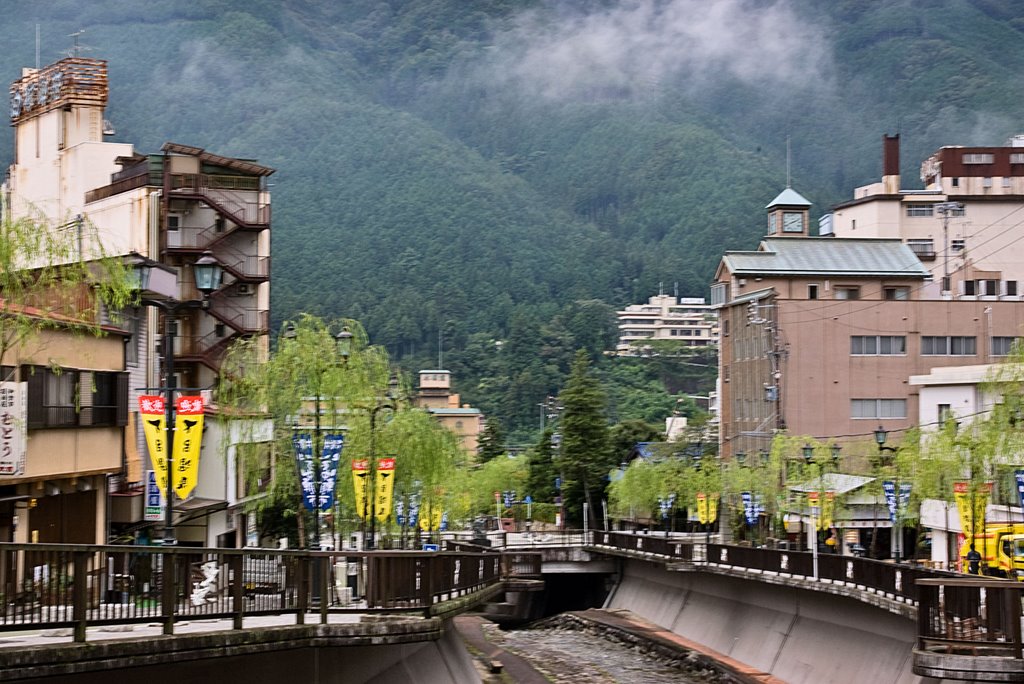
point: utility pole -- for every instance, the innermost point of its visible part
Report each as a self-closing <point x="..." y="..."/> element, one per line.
<point x="947" y="209"/>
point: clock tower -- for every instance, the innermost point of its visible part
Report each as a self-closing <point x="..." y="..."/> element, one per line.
<point x="789" y="215"/>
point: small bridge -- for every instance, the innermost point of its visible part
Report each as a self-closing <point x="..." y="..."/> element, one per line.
<point x="186" y="604"/>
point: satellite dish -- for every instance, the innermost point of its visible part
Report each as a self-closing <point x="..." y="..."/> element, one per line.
<point x="108" y="128"/>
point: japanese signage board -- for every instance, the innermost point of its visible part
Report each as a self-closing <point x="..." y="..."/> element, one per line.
<point x="13" y="417"/>
<point x="154" y="500"/>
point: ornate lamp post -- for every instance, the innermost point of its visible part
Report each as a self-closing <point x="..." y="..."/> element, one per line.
<point x="369" y="500"/>
<point x="880" y="436"/>
<point x="343" y="341"/>
<point x="207" y="273"/>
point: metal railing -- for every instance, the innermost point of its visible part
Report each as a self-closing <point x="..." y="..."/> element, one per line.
<point x="979" y="617"/>
<point x="61" y="585"/>
<point x="897" y="580"/>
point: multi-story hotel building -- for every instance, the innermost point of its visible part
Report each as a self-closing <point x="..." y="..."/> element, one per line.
<point x="820" y="335"/>
<point x="689" y="321"/>
<point x="170" y="207"/>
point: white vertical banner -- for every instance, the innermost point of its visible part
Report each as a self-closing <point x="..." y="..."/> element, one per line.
<point x="13" y="420"/>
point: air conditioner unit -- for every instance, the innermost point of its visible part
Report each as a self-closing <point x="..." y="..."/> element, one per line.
<point x="245" y="288"/>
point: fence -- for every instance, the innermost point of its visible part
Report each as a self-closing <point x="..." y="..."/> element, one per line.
<point x="57" y="585"/>
<point x="980" y="617"/>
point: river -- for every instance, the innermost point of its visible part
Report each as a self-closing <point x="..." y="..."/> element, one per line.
<point x="568" y="655"/>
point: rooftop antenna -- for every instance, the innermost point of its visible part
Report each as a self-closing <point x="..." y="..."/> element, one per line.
<point x="661" y="288"/>
<point x="789" y="163"/>
<point x="675" y="289"/>
<point x="76" y="49"/>
<point x="440" y="346"/>
<point x="37" y="46"/>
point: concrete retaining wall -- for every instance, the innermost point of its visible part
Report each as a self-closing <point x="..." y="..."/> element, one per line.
<point x="800" y="636"/>
<point x="309" y="660"/>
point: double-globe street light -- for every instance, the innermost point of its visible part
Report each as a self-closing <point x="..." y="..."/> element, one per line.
<point x="880" y="436"/>
<point x="157" y="285"/>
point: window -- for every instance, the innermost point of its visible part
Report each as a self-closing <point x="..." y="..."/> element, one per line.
<point x="1011" y="288"/>
<point x="108" y="405"/>
<point x="896" y="293"/>
<point x="957" y="245"/>
<point x="719" y="294"/>
<point x="919" y="210"/>
<point x="990" y="288"/>
<point x="772" y="218"/>
<point x="986" y="182"/>
<point x="51" y="397"/>
<point x="878" y="345"/>
<point x="978" y="158"/>
<point x="922" y="248"/>
<point x="847" y="292"/>
<point x="1001" y="346"/>
<point x="812" y="291"/>
<point x="944" y="413"/>
<point x="1017" y="158"/>
<point x="878" y="408"/>
<point x="948" y="345"/>
<point x="956" y="182"/>
<point x="173" y="222"/>
<point x="969" y="288"/>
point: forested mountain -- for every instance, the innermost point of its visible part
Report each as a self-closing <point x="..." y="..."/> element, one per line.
<point x="502" y="172"/>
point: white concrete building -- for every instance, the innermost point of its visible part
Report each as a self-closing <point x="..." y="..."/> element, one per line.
<point x="687" y="320"/>
<point x="964" y="224"/>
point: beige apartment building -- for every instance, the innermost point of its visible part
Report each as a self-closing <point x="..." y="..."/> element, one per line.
<point x="964" y="224"/>
<point x="64" y="405"/>
<point x="821" y="335"/>
<point x="436" y="396"/>
<point x="171" y="207"/>
<point x="690" y="321"/>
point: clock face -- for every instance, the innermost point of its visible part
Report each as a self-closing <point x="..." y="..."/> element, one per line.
<point x="792" y="222"/>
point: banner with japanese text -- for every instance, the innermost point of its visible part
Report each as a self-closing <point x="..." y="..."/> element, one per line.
<point x="13" y="420"/>
<point x="188" y="441"/>
<point x="828" y="506"/>
<point x="360" y="482"/>
<point x="331" y="456"/>
<point x="712" y="507"/>
<point x="702" y="508"/>
<point x="384" y="488"/>
<point x="431" y="515"/>
<point x="303" y="443"/>
<point x="154" y="425"/>
<point x="971" y="515"/>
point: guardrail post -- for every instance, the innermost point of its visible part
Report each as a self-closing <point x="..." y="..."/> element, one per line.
<point x="80" y="593"/>
<point x="168" y="589"/>
<point x="303" y="582"/>
<point x="427" y="564"/>
<point x="237" y="589"/>
<point x="324" y="566"/>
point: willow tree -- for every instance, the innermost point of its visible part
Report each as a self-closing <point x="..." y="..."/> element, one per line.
<point x="326" y="375"/>
<point x="46" y="281"/>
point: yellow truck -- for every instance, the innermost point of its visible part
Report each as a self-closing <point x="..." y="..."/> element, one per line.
<point x="1001" y="548"/>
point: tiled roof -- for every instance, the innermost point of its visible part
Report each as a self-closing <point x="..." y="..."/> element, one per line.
<point x="828" y="256"/>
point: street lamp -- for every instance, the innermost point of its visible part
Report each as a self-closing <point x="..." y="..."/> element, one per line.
<point x="369" y="501"/>
<point x="880" y="436"/>
<point x="343" y="341"/>
<point x="151" y="274"/>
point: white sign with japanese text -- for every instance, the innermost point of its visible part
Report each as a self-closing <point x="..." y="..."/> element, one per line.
<point x="13" y="418"/>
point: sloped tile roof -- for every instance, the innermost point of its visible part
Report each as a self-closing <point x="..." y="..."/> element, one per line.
<point x="828" y="256"/>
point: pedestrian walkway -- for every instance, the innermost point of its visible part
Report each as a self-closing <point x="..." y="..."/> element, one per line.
<point x="517" y="669"/>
